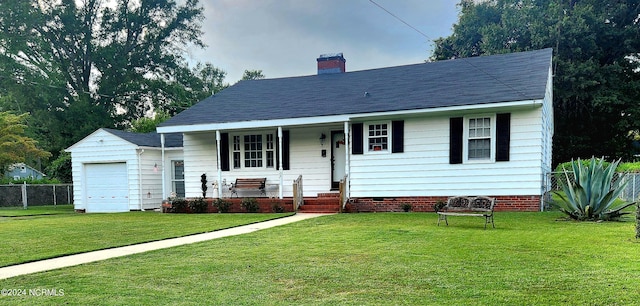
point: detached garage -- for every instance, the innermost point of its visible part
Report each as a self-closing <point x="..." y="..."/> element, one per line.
<point x="117" y="171"/>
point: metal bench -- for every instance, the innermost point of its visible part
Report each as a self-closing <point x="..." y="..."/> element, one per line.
<point x="468" y="207"/>
<point x="248" y="184"/>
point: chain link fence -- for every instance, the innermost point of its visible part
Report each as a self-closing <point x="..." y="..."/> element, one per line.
<point x="631" y="191"/>
<point x="35" y="195"/>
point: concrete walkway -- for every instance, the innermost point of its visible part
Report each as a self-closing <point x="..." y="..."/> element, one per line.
<point x="82" y="258"/>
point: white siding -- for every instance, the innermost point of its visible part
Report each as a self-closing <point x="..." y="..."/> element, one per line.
<point x="102" y="147"/>
<point x="424" y="170"/>
<point x="307" y="160"/>
<point x="199" y="157"/>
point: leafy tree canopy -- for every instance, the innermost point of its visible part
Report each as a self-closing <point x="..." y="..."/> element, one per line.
<point x="80" y="65"/>
<point x="253" y="75"/>
<point x="15" y="146"/>
<point x="595" y="65"/>
<point x="146" y="124"/>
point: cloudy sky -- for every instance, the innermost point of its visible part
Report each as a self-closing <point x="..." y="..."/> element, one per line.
<point x="284" y="37"/>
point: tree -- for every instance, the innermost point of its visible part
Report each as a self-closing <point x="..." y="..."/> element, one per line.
<point x="595" y="64"/>
<point x="81" y="65"/>
<point x="253" y="75"/>
<point x="61" y="168"/>
<point x="15" y="146"/>
<point x="147" y="125"/>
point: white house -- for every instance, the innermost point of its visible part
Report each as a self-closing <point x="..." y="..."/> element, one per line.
<point x="117" y="171"/>
<point x="415" y="133"/>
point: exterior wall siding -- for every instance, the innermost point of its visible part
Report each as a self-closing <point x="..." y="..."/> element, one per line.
<point x="424" y="170"/>
<point x="103" y="147"/>
<point x="199" y="157"/>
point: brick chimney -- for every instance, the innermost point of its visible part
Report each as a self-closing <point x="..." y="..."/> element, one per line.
<point x="331" y="63"/>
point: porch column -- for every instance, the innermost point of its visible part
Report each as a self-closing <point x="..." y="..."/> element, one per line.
<point x="347" y="160"/>
<point x="218" y="164"/>
<point x="281" y="183"/>
<point x="164" y="180"/>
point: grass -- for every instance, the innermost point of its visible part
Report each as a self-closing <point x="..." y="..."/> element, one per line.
<point x="32" y="238"/>
<point x="370" y="259"/>
<point x="36" y="210"/>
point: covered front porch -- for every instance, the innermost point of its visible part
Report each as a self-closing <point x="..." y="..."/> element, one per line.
<point x="279" y="155"/>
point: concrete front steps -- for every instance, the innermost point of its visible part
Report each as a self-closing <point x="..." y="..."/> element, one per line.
<point x="324" y="203"/>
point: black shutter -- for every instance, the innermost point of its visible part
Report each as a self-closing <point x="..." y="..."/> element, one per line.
<point x="224" y="151"/>
<point x="503" y="136"/>
<point x="285" y="151"/>
<point x="455" y="140"/>
<point x="357" y="147"/>
<point x="397" y="136"/>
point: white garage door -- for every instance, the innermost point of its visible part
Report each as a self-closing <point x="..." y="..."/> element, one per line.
<point x="107" y="187"/>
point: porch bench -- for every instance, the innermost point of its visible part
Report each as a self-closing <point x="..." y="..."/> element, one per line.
<point x="248" y="184"/>
<point x="468" y="207"/>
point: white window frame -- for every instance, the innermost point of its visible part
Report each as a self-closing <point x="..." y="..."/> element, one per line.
<point x="465" y="143"/>
<point x="241" y="150"/>
<point x="367" y="149"/>
<point x="174" y="179"/>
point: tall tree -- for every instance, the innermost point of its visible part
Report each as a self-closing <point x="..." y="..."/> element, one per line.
<point x="15" y="146"/>
<point x="78" y="65"/>
<point x="596" y="82"/>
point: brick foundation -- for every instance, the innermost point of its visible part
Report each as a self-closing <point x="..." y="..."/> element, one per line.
<point x="425" y="204"/>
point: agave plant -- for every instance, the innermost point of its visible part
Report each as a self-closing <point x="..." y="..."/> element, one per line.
<point x="593" y="193"/>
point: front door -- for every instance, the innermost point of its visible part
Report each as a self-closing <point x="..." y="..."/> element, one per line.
<point x="338" y="158"/>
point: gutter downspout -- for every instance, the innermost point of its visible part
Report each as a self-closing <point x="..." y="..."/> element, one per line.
<point x="164" y="183"/>
<point x="140" y="179"/>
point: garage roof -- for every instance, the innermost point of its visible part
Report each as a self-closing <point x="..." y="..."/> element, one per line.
<point x="171" y="140"/>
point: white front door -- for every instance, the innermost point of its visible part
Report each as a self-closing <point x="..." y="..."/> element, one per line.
<point x="338" y="158"/>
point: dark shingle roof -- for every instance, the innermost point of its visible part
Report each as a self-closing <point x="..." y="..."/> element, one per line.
<point x="171" y="140"/>
<point x="459" y="82"/>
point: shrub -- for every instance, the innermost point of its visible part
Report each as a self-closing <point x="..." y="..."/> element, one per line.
<point x="629" y="167"/>
<point x="222" y="205"/>
<point x="277" y="208"/>
<point x="179" y="205"/>
<point x="203" y="187"/>
<point x="198" y="205"/>
<point x="406" y="207"/>
<point x="593" y="193"/>
<point x="638" y="221"/>
<point x="250" y="205"/>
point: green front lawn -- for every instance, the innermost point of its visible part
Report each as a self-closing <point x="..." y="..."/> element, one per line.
<point x="32" y="238"/>
<point x="370" y="259"/>
<point x="36" y="210"/>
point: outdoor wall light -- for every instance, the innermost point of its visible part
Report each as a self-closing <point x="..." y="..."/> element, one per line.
<point x="323" y="137"/>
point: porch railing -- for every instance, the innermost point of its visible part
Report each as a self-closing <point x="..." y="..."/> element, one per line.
<point x="298" y="194"/>
<point x="344" y="197"/>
